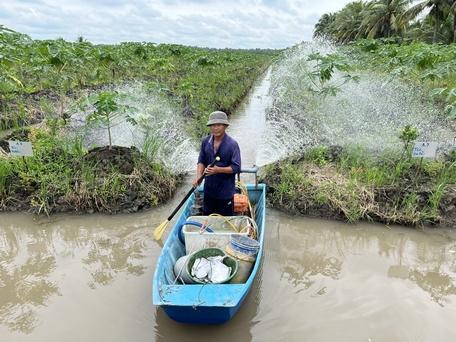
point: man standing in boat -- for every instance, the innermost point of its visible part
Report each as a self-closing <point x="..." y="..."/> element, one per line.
<point x="220" y="181"/>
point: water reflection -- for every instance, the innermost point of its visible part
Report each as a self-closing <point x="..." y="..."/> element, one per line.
<point x="438" y="285"/>
<point x="109" y="256"/>
<point x="37" y="257"/>
<point x="303" y="271"/>
<point x="24" y="279"/>
<point x="435" y="272"/>
<point x="305" y="257"/>
<point x="311" y="251"/>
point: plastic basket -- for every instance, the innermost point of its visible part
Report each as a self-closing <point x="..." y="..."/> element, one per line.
<point x="220" y="235"/>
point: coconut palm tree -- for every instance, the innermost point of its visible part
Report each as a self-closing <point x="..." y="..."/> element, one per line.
<point x="438" y="12"/>
<point x="383" y="18"/>
<point x="322" y="27"/>
<point x="453" y="13"/>
<point x="348" y="21"/>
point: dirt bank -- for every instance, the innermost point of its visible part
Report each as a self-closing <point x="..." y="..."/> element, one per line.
<point x="301" y="186"/>
<point x="108" y="180"/>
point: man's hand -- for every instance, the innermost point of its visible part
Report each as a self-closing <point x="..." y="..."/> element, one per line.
<point x="195" y="182"/>
<point x="209" y="171"/>
<point x="212" y="170"/>
<point x="199" y="172"/>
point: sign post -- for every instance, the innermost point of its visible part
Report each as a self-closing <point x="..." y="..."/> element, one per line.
<point x="425" y="149"/>
<point x="21" y="149"/>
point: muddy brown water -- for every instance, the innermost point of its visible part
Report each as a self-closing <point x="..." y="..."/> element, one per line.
<point x="88" y="278"/>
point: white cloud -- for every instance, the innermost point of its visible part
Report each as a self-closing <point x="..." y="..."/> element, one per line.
<point x="212" y="23"/>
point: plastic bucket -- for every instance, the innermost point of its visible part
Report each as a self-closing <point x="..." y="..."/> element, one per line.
<point x="244" y="245"/>
<point x="209" y="252"/>
<point x="180" y="270"/>
<point x="244" y="250"/>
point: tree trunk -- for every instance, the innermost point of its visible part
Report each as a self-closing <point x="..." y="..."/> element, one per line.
<point x="454" y="27"/>
<point x="110" y="140"/>
<point x="109" y="133"/>
<point x="387" y="31"/>
<point x="61" y="106"/>
<point x="434" y="38"/>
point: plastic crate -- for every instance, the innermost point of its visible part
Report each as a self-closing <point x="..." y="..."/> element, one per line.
<point x="197" y="239"/>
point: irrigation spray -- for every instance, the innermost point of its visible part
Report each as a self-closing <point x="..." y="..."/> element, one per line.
<point x="159" y="131"/>
<point x="369" y="112"/>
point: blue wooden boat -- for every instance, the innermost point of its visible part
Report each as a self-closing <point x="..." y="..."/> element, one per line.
<point x="205" y="303"/>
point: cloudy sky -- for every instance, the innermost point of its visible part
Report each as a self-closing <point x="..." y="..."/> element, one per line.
<point x="211" y="23"/>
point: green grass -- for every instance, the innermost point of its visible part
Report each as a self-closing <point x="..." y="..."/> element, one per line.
<point x="6" y="170"/>
<point x="391" y="187"/>
<point x="57" y="178"/>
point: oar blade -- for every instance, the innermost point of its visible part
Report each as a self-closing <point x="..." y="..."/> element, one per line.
<point x="158" y="232"/>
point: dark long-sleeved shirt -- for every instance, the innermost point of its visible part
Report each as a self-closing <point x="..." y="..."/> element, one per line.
<point x="220" y="185"/>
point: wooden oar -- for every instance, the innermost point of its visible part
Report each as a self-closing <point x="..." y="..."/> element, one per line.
<point x="158" y="232"/>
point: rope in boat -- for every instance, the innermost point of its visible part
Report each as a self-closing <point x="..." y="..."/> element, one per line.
<point x="251" y="229"/>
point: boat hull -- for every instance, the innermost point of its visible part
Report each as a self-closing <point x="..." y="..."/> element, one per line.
<point x="202" y="303"/>
<point x="200" y="314"/>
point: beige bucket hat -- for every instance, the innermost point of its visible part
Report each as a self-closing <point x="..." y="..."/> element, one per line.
<point x="218" y="117"/>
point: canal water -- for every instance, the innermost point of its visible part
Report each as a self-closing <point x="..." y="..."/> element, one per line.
<point x="88" y="278"/>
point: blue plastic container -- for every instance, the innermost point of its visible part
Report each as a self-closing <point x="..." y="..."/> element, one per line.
<point x="244" y="250"/>
<point x="245" y="245"/>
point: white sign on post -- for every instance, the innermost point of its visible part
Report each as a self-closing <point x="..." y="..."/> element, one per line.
<point x="425" y="149"/>
<point x="20" y="148"/>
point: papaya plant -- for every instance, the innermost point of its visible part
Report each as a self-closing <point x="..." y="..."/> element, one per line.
<point x="407" y="135"/>
<point x="323" y="70"/>
<point x="108" y="112"/>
